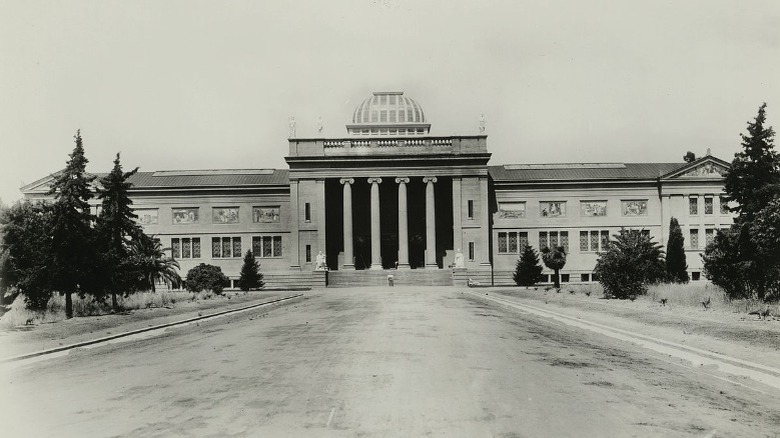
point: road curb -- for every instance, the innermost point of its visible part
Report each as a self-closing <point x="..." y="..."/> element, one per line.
<point x="145" y="329"/>
<point x="730" y="365"/>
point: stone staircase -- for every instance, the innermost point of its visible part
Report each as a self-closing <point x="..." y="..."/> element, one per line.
<point x="411" y="277"/>
<point x="294" y="279"/>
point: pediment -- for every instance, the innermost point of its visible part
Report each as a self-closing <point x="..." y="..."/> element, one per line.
<point x="704" y="168"/>
<point x="44" y="184"/>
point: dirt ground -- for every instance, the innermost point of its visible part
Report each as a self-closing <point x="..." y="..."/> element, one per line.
<point x="719" y="330"/>
<point x="387" y="362"/>
<point x="40" y="337"/>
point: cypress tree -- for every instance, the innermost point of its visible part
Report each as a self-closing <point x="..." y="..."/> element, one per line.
<point x="251" y="278"/>
<point x="72" y="233"/>
<point x="115" y="227"/>
<point x="676" y="265"/>
<point x="528" y="271"/>
<point x="754" y="176"/>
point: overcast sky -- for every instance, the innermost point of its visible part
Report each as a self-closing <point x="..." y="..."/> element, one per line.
<point x="196" y="85"/>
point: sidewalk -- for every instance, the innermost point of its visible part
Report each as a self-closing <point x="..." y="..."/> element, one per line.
<point x="737" y="335"/>
<point x="83" y="329"/>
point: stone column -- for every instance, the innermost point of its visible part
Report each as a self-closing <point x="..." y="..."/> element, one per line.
<point x="482" y="243"/>
<point x="430" y="223"/>
<point x="403" y="225"/>
<point x="295" y="263"/>
<point x="376" y="232"/>
<point x="349" y="262"/>
<point x="457" y="215"/>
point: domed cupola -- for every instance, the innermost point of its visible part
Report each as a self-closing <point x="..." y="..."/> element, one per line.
<point x="389" y="113"/>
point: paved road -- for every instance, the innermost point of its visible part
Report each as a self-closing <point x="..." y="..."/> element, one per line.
<point x="395" y="362"/>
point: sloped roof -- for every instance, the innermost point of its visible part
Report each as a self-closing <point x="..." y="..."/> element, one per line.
<point x="582" y="171"/>
<point x="187" y="179"/>
<point x="210" y="178"/>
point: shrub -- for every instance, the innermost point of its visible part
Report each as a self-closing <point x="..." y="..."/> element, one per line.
<point x="631" y="262"/>
<point x="528" y="271"/>
<point x="206" y="277"/>
<point x="251" y="278"/>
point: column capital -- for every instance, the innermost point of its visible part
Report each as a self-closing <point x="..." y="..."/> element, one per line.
<point x="347" y="181"/>
<point x="402" y="179"/>
<point x="375" y="180"/>
<point x="431" y="179"/>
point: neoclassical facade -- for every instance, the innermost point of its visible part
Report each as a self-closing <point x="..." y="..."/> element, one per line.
<point x="389" y="197"/>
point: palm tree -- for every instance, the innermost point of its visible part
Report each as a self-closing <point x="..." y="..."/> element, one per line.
<point x="554" y="259"/>
<point x="153" y="265"/>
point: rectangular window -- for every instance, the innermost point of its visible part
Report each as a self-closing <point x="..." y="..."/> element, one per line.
<point x="709" y="236"/>
<point x="694" y="238"/>
<point x="724" y="206"/>
<point x="225" y="247"/>
<point x="308" y="253"/>
<point x="176" y="248"/>
<point x="594" y="240"/>
<point x="307" y="212"/>
<point x="512" y="242"/>
<point x="470" y="208"/>
<point x="564" y="278"/>
<point x="693" y="206"/>
<point x="471" y="251"/>
<point x="584" y="278"/>
<point x="196" y="247"/>
<point x="695" y="276"/>
<point x="271" y="246"/>
<point x="554" y="238"/>
<point x="185" y="247"/>
<point x="594" y="277"/>
<point x="708" y="206"/>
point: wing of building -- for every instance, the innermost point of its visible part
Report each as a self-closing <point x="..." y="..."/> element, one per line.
<point x="388" y="196"/>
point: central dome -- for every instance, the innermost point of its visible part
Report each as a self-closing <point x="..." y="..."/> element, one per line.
<point x="388" y="113"/>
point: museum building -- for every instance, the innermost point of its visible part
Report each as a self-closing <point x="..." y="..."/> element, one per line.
<point x="389" y="198"/>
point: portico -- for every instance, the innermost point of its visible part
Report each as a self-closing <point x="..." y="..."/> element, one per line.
<point x="393" y="196"/>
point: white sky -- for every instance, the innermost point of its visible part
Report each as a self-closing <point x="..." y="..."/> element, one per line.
<point x="196" y="84"/>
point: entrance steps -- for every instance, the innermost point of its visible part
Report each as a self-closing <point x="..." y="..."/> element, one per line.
<point x="410" y="277"/>
<point x="294" y="279"/>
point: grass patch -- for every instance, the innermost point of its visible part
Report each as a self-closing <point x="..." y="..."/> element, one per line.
<point x="19" y="315"/>
<point x="693" y="294"/>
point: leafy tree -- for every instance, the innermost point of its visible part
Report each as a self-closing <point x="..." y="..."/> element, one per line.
<point x="689" y="157"/>
<point x="554" y="259"/>
<point x="631" y="262"/>
<point x="676" y="265"/>
<point x="727" y="267"/>
<point x="116" y="226"/>
<point x="742" y="260"/>
<point x="72" y="233"/>
<point x="150" y="265"/>
<point x="765" y="234"/>
<point x="754" y="176"/>
<point x="26" y="249"/>
<point x="250" y="278"/>
<point x="528" y="271"/>
<point x="206" y="277"/>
